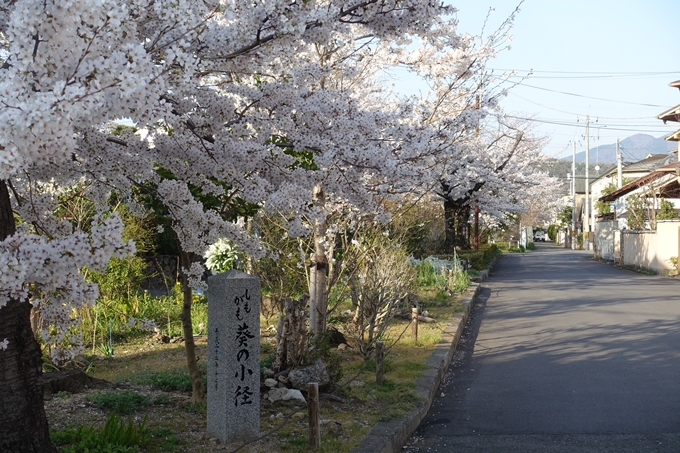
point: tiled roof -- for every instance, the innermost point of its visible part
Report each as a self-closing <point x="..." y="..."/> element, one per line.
<point x="652" y="162"/>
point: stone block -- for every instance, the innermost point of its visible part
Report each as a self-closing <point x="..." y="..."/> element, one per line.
<point x="233" y="356"/>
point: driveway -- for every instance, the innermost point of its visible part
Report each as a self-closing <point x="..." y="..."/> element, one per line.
<point x="563" y="354"/>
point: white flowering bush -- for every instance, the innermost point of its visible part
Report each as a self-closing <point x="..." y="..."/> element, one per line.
<point x="48" y="271"/>
<point x="221" y="256"/>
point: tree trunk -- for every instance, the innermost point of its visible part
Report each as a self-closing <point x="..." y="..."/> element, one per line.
<point x="456" y="216"/>
<point x="197" y="391"/>
<point x="318" y="302"/>
<point x="23" y="423"/>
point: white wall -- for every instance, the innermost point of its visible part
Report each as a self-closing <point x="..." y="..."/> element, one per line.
<point x="639" y="249"/>
<point x="668" y="232"/>
<point x="604" y="239"/>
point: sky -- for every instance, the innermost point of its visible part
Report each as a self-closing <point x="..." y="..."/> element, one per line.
<point x="609" y="60"/>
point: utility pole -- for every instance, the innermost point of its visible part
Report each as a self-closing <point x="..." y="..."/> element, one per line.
<point x="619" y="183"/>
<point x="586" y="219"/>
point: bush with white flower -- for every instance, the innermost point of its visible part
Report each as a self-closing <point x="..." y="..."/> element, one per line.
<point x="221" y="256"/>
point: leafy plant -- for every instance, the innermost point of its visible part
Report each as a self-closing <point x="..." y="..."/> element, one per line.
<point x="457" y="279"/>
<point x="427" y="275"/>
<point x="117" y="436"/>
<point x="579" y="240"/>
<point x="666" y="210"/>
<point x="121" y="401"/>
<point x="221" y="256"/>
<point x="636" y="212"/>
<point x="603" y="207"/>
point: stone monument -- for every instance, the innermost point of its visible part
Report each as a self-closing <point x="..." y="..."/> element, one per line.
<point x="233" y="389"/>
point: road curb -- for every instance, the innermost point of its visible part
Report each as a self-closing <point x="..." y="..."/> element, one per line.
<point x="389" y="437"/>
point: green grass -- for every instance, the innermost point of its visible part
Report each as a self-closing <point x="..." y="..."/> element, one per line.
<point x="399" y="399"/>
<point x="168" y="381"/>
<point x="165" y="440"/>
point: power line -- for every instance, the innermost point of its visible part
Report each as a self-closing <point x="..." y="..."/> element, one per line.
<point x="583" y="114"/>
<point x="586" y="77"/>
<point x="592" y="125"/>
<point x="583" y="96"/>
<point x="590" y="72"/>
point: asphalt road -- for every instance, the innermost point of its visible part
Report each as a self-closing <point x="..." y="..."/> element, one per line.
<point x="562" y="354"/>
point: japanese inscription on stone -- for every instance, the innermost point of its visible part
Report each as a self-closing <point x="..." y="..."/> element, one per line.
<point x="234" y="356"/>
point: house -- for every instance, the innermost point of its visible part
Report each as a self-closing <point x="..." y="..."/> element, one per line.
<point x="655" y="249"/>
<point x="664" y="182"/>
<point x="650" y="177"/>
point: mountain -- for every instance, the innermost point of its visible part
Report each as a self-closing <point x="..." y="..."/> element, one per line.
<point x="633" y="149"/>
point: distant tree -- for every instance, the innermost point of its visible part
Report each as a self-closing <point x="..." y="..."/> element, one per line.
<point x="564" y="217"/>
<point x="603" y="207"/>
<point x="636" y="212"/>
<point x="666" y="210"/>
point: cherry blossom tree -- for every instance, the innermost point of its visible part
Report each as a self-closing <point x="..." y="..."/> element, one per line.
<point x="497" y="175"/>
<point x="221" y="91"/>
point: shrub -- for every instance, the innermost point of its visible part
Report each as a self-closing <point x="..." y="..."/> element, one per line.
<point x="222" y="256"/>
<point x="481" y="259"/>
<point x="427" y="275"/>
<point x="531" y="246"/>
<point x="121" y="402"/>
<point x="666" y="210"/>
<point x="381" y="284"/>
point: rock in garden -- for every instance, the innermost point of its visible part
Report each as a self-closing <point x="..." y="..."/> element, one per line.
<point x="286" y="395"/>
<point x="300" y="378"/>
<point x="335" y="337"/>
<point x="294" y="396"/>
<point x="271" y="383"/>
<point x="276" y="394"/>
<point x="331" y="426"/>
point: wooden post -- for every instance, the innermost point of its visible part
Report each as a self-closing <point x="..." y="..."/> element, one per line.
<point x="379" y="362"/>
<point x="314" y="430"/>
<point x="414" y="323"/>
<point x="476" y="227"/>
